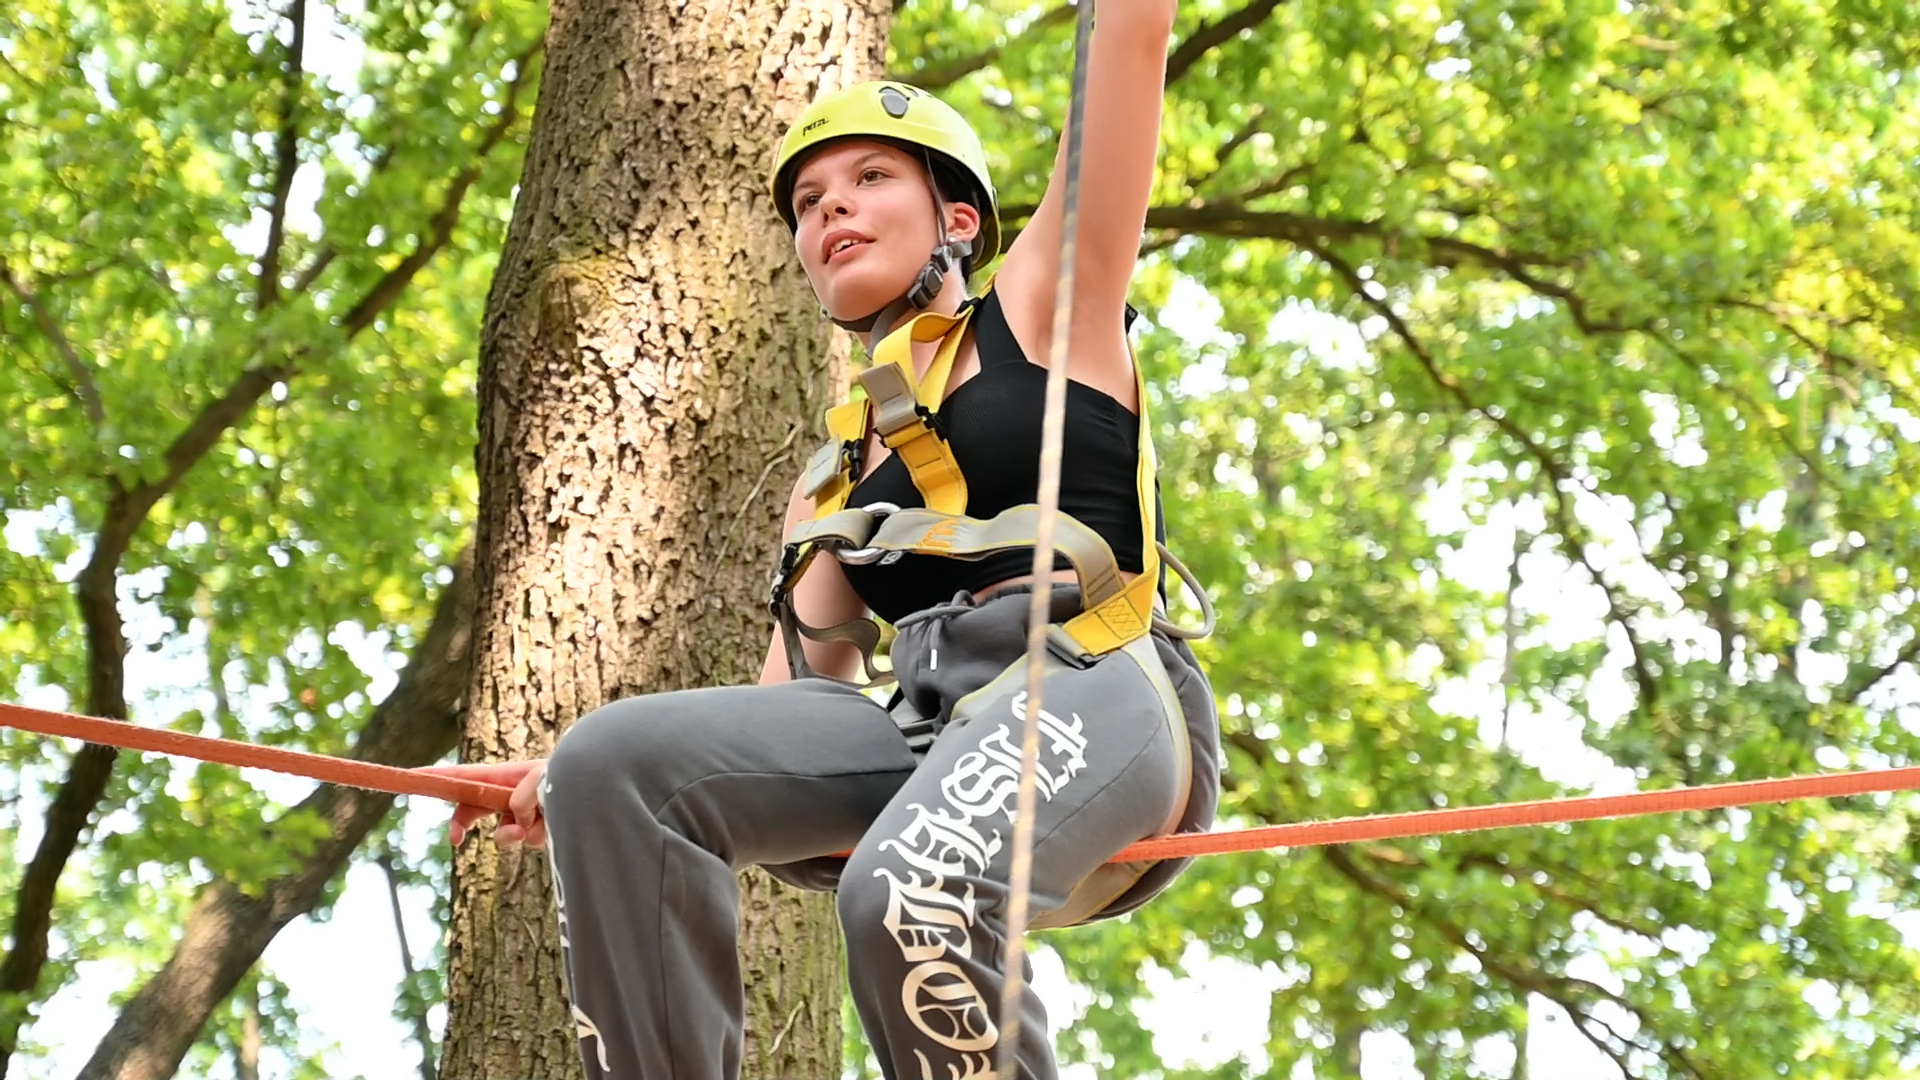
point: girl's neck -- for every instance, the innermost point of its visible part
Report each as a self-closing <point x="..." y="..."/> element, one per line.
<point x="953" y="293"/>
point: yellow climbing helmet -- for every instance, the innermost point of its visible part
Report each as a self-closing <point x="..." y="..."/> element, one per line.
<point x="901" y="113"/>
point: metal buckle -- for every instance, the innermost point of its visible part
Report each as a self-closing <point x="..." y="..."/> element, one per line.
<point x="868" y="555"/>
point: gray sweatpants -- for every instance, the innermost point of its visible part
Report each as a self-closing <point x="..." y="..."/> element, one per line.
<point x="654" y="802"/>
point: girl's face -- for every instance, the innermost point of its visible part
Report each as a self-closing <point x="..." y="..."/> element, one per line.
<point x="865" y="224"/>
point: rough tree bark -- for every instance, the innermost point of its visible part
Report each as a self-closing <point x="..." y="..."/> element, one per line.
<point x="652" y="366"/>
<point x="227" y="930"/>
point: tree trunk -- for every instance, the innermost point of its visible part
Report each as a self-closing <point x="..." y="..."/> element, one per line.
<point x="653" y="365"/>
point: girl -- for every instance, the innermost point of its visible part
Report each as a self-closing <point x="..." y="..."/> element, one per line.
<point x="650" y="805"/>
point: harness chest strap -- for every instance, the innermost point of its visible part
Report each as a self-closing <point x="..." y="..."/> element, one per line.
<point x="892" y="406"/>
<point x="873" y="533"/>
<point x="894" y="409"/>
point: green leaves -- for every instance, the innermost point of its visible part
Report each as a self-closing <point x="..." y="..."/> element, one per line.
<point x="1624" y="294"/>
<point x="243" y="268"/>
<point x="1535" y="388"/>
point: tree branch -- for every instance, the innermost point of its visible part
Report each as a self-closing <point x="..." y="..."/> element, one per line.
<point x="1754" y="408"/>
<point x="1581" y="1018"/>
<point x="1510" y="636"/>
<point x="216" y="418"/>
<point x="1550" y="465"/>
<point x="1286" y="179"/>
<point x="382" y="159"/>
<point x="286" y="158"/>
<point x="1218" y="32"/>
<point x="420" y="1032"/>
<point x="80" y="791"/>
<point x="83" y="385"/>
<point x="1227" y="218"/>
<point x="1866" y="678"/>
<point x="1243" y="135"/>
<point x="1830" y="357"/>
<point x="1563" y="990"/>
<point x="417" y="724"/>
<point x="946" y="73"/>
<point x="246" y="1058"/>
<point x="440" y="229"/>
<point x="1643" y="676"/>
<point x="1501" y="864"/>
<point x="308" y="274"/>
<point x="1518" y="267"/>
<point x="127" y="509"/>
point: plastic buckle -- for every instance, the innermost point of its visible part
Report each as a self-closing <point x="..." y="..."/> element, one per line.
<point x="932" y="420"/>
<point x="1061" y="644"/>
<point x="920" y="734"/>
<point x="789" y="558"/>
<point x="822" y="469"/>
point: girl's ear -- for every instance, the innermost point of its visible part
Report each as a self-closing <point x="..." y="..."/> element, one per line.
<point x="963" y="221"/>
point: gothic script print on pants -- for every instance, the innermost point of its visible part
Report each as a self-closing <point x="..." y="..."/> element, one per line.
<point x="932" y="916"/>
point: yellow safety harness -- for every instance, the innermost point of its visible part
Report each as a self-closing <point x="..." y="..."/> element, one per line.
<point x="1115" y="611"/>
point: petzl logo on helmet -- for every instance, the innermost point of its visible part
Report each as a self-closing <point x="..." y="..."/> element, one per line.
<point x="895" y="102"/>
<point x="822" y="122"/>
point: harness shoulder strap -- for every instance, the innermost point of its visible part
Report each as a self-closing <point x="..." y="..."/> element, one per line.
<point x="835" y="467"/>
<point x="1120" y="619"/>
<point x="888" y="399"/>
<point x="896" y="410"/>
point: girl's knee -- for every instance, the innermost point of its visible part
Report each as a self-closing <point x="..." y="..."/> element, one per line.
<point x="907" y="914"/>
<point x="631" y="742"/>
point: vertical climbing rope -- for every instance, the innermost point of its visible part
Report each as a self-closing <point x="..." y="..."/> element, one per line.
<point x="1020" y="877"/>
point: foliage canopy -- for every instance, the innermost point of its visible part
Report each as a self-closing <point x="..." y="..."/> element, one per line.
<point x="1536" y="389"/>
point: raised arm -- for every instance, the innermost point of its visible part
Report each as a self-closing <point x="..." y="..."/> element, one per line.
<point x="1126" y="72"/>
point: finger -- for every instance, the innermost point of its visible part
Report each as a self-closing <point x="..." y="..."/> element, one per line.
<point x="537" y="836"/>
<point x="525" y="802"/>
<point x="525" y="807"/>
<point x="456" y="832"/>
<point x="506" y="773"/>
<point x="466" y="815"/>
<point x="508" y="835"/>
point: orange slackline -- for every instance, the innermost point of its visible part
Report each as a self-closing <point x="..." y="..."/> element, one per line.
<point x="333" y="770"/>
<point x="363" y="774"/>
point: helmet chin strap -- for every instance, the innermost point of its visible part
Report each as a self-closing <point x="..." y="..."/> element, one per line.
<point x="926" y="288"/>
<point x="946" y="259"/>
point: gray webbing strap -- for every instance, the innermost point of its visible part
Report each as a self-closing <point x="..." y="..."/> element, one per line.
<point x="860" y="537"/>
<point x="878" y="532"/>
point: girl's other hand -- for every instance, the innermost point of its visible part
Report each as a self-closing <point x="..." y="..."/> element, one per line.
<point x="524" y="823"/>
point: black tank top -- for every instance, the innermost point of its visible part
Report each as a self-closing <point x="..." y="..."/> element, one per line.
<point x="992" y="422"/>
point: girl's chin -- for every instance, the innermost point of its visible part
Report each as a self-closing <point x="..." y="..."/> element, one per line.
<point x="859" y="303"/>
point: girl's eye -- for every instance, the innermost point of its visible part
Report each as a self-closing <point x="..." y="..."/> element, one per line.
<point x="871" y="174"/>
<point x="807" y="200"/>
